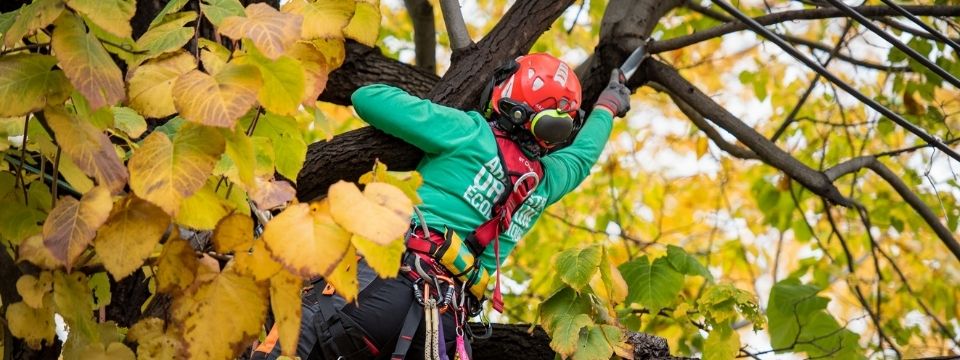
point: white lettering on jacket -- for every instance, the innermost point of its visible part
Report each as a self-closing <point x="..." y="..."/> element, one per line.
<point x="486" y="188"/>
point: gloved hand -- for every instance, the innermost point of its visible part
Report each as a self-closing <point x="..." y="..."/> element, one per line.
<point x="616" y="97"/>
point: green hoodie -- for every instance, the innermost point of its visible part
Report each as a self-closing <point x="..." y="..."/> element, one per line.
<point x="461" y="170"/>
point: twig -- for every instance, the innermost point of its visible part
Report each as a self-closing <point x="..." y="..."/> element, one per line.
<point x="456" y="28"/>
<point x="23" y="157"/>
<point x="25" y="47"/>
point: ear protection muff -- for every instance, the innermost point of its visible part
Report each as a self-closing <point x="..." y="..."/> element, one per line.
<point x="552" y="126"/>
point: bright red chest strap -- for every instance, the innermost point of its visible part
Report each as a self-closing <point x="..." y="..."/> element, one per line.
<point x="525" y="174"/>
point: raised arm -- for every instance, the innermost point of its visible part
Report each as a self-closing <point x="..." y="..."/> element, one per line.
<point x="431" y="127"/>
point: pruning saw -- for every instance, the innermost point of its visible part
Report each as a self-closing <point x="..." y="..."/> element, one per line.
<point x="633" y="62"/>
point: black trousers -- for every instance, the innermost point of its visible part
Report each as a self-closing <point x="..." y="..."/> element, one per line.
<point x="380" y="310"/>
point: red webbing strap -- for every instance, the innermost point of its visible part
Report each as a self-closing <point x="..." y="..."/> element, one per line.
<point x="516" y="166"/>
<point x="497" y="299"/>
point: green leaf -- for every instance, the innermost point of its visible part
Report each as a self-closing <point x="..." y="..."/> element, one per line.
<point x="721" y="303"/>
<point x="242" y="154"/>
<point x="75" y="303"/>
<point x="30" y="18"/>
<point x="6" y="21"/>
<point x="284" y="82"/>
<point x="597" y="343"/>
<point x="111" y="15"/>
<point x="563" y="302"/>
<point x="566" y="332"/>
<point x="33" y="81"/>
<point x="798" y="318"/>
<point x="86" y="63"/>
<point x="100" y="284"/>
<point x="168" y="36"/>
<point x="577" y="266"/>
<point x="723" y="343"/>
<point x="171" y="7"/>
<point x="685" y="263"/>
<point x="129" y="121"/>
<point x="217" y="10"/>
<point x="654" y="286"/>
<point x="288" y="146"/>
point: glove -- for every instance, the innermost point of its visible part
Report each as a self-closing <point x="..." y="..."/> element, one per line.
<point x="616" y="97"/>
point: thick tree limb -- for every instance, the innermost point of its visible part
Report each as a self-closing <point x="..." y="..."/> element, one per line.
<point x="424" y="33"/>
<point x="365" y="65"/>
<point x="456" y="28"/>
<point x="871" y="162"/>
<point x="806" y="14"/>
<point x="766" y="150"/>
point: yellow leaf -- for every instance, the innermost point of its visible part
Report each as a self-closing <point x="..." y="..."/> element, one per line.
<point x="217" y="100"/>
<point x="154" y="340"/>
<point x="203" y="209"/>
<point x="221" y="316"/>
<point x="285" y="301"/>
<point x="384" y="259"/>
<point x="213" y="55"/>
<point x="89" y="148"/>
<point x="111" y="15"/>
<point x="33" y="251"/>
<point x="408" y="184"/>
<point x="271" y="194"/>
<point x="612" y="279"/>
<point x="86" y="63"/>
<point x="35" y="326"/>
<point x="364" y="27"/>
<point x="130" y="235"/>
<point x="30" y="18"/>
<point x="31" y="79"/>
<point x="256" y="262"/>
<point x="701" y="146"/>
<point x="177" y="266"/>
<point x="344" y="276"/>
<point x="242" y="155"/>
<point x="333" y="50"/>
<point x="381" y="213"/>
<point x="322" y="18"/>
<point x="165" y="172"/>
<point x="115" y="351"/>
<point x="33" y="289"/>
<point x="270" y="30"/>
<point x="306" y="240"/>
<point x="72" y="224"/>
<point x="233" y="233"/>
<point x="151" y="85"/>
<point x="283" y="82"/>
<point x="315" y="69"/>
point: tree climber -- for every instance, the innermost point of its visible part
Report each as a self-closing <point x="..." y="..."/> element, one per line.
<point x="486" y="180"/>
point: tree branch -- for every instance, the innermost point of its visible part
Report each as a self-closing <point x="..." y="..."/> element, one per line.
<point x="833" y="51"/>
<point x="806" y="14"/>
<point x="766" y="150"/>
<point x="704" y="125"/>
<point x="456" y="28"/>
<point x="424" y="33"/>
<point x="871" y="162"/>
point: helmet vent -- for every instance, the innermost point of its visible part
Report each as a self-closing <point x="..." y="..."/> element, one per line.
<point x="530" y="73"/>
<point x="537" y="84"/>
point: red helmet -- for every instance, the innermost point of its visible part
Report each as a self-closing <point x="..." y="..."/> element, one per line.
<point x="541" y="82"/>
